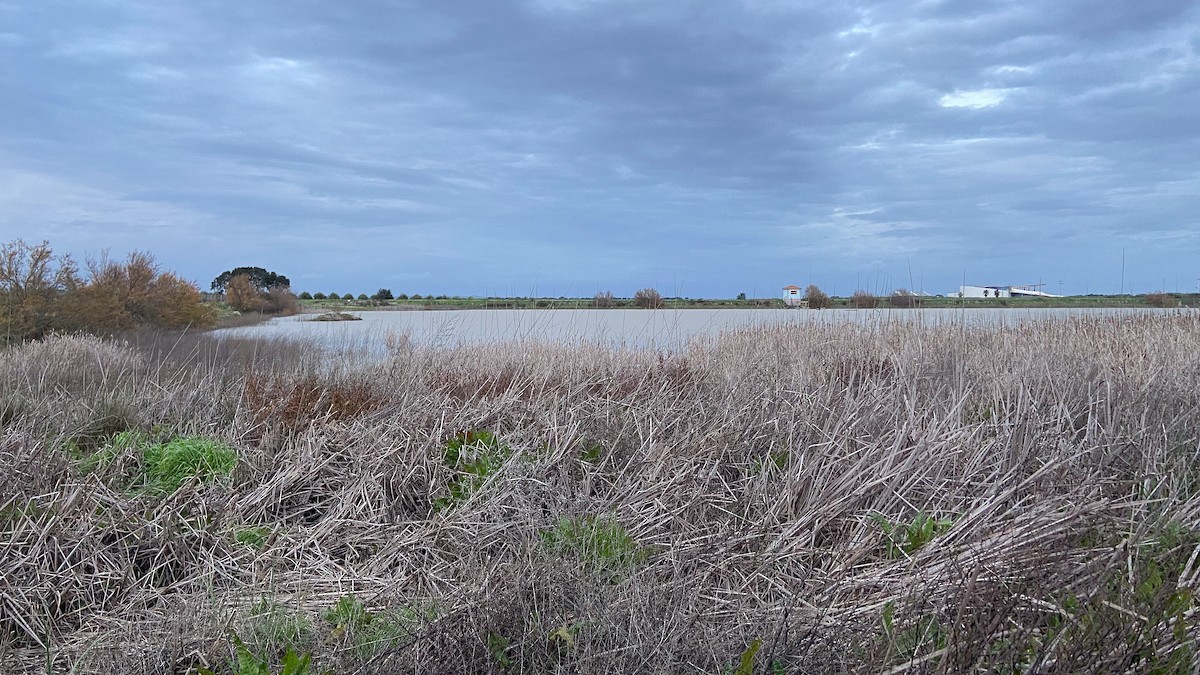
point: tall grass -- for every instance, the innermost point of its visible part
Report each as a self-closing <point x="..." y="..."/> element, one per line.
<point x="813" y="498"/>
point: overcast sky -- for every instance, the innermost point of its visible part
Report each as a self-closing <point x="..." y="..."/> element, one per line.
<point x="562" y="147"/>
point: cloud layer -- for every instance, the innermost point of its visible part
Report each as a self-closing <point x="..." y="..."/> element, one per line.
<point x="561" y="147"/>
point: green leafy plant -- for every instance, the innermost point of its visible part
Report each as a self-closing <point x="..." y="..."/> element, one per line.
<point x="602" y="543"/>
<point x="106" y="455"/>
<point x="347" y="615"/>
<point x="904" y="539"/>
<point x="164" y="466"/>
<point x="592" y="452"/>
<point x="746" y="660"/>
<point x="372" y="632"/>
<point x="246" y="662"/>
<point x="272" y="624"/>
<point x="498" y="645"/>
<point x="473" y="456"/>
<point x="388" y="630"/>
<point x="252" y="537"/>
<point x="1148" y="587"/>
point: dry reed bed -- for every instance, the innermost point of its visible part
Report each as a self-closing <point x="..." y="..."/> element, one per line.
<point x="754" y="475"/>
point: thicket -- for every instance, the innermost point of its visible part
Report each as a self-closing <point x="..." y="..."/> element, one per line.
<point x="648" y="298"/>
<point x="1161" y="299"/>
<point x="817" y="299"/>
<point x="603" y="300"/>
<point x="42" y="293"/>
<point x="863" y="300"/>
<point x="814" y="498"/>
<point x="902" y="297"/>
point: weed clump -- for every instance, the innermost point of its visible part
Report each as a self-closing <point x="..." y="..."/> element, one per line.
<point x="370" y="633"/>
<point x="473" y="457"/>
<point x="601" y="543"/>
<point x="902" y="539"/>
<point x="165" y="466"/>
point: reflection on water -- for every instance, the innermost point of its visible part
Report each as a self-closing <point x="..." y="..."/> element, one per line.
<point x="664" y="329"/>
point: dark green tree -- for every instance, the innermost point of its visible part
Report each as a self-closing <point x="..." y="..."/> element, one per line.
<point x="259" y="278"/>
<point x="382" y="294"/>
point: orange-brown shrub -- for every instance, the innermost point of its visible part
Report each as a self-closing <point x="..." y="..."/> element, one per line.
<point x="297" y="403"/>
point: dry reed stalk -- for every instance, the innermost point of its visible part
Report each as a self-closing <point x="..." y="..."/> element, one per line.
<point x="628" y="510"/>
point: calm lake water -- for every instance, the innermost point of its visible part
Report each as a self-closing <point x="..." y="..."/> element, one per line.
<point x="664" y="329"/>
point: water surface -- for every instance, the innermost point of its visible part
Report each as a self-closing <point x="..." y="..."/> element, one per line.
<point x="662" y="329"/>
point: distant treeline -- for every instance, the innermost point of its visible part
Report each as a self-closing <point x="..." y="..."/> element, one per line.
<point x="42" y="293"/>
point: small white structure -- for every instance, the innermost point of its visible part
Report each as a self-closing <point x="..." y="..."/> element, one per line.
<point x="793" y="296"/>
<point x="1029" y="291"/>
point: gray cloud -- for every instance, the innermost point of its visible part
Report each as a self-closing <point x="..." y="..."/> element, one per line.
<point x="571" y="145"/>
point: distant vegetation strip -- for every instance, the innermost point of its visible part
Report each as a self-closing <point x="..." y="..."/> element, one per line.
<point x="884" y="302"/>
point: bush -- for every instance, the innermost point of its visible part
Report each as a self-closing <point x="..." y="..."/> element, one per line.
<point x="363" y="296"/>
<point x="902" y="297"/>
<point x="382" y="294"/>
<point x="41" y="293"/>
<point x="306" y="296"/>
<point x="1160" y="299"/>
<point x="280" y="300"/>
<point x="648" y="298"/>
<point x="817" y="299"/>
<point x="402" y="296"/>
<point x="603" y="300"/>
<point x="334" y="296"/>
<point x="242" y="295"/>
<point x="863" y="300"/>
<point x="741" y="296"/>
<point x="318" y="296"/>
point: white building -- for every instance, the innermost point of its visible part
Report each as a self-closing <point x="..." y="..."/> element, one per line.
<point x="793" y="296"/>
<point x="1029" y="291"/>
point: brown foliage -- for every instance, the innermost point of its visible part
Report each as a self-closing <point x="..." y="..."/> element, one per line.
<point x="40" y="293"/>
<point x="1160" y="299"/>
<point x="301" y="402"/>
<point x="31" y="282"/>
<point x="648" y="298"/>
<point x="242" y="295"/>
<point x="817" y="299"/>
<point x="863" y="300"/>
<point x="603" y="300"/>
<point x="902" y="298"/>
<point x="135" y="293"/>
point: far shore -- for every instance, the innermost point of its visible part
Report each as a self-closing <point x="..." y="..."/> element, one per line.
<point x="907" y="302"/>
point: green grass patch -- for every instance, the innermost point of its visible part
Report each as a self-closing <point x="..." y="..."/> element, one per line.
<point x="601" y="543"/>
<point x="165" y="466"/>
<point x="272" y="625"/>
<point x="252" y="537"/>
<point x="372" y="632"/>
<point x="169" y="465"/>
